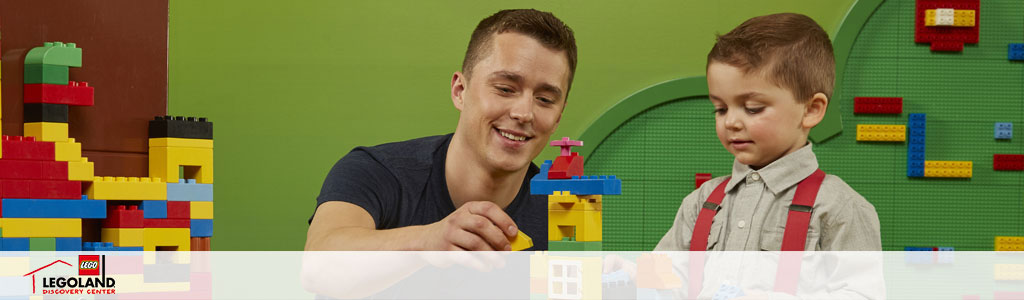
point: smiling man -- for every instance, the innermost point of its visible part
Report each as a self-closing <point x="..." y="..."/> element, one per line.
<point x="468" y="190"/>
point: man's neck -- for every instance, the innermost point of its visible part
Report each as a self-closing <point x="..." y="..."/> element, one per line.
<point x="469" y="180"/>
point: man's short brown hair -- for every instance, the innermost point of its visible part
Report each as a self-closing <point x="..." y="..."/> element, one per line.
<point x="789" y="49"/>
<point x="542" y="26"/>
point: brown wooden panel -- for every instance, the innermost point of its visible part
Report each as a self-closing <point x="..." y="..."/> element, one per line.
<point x="124" y="45"/>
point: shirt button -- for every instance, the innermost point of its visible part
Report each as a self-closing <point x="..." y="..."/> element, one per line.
<point x="741" y="223"/>
<point x="755" y="176"/>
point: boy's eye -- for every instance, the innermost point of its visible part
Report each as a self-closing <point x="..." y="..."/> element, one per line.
<point x="720" y="111"/>
<point x="754" y="110"/>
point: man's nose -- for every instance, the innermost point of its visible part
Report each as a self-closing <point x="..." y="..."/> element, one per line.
<point x="522" y="109"/>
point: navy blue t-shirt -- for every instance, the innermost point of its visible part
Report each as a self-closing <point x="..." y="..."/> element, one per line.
<point x="403" y="184"/>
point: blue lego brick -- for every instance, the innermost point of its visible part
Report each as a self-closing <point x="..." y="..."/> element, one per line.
<point x="1004" y="131"/>
<point x="726" y="292"/>
<point x="189" y="191"/>
<point x="915" y="156"/>
<point x="916" y="140"/>
<point x="201" y="228"/>
<point x="586" y="185"/>
<point x="1015" y="51"/>
<point x="914" y="172"/>
<point x="96" y="246"/>
<point x="918" y="249"/>
<point x="14" y="244"/>
<point x="917" y="117"/>
<point x="915" y="148"/>
<point x="55" y="208"/>
<point x="154" y="209"/>
<point x="917" y="132"/>
<point x="128" y="248"/>
<point x="69" y="244"/>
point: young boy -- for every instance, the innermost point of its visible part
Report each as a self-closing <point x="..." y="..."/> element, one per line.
<point x="770" y="81"/>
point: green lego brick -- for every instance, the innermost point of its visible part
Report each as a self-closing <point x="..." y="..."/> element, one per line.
<point x="53" y="74"/>
<point x="42" y="244"/>
<point x="573" y="246"/>
<point x="55" y="53"/>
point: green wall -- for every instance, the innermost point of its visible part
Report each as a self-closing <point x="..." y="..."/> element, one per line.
<point x="291" y="87"/>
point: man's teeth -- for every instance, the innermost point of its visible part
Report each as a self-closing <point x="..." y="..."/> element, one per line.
<point x="512" y="137"/>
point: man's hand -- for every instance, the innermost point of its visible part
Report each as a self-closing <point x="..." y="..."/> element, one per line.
<point x="476" y="226"/>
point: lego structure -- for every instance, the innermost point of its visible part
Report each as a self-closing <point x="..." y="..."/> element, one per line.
<point x="574" y="200"/>
<point x="565" y="277"/>
<point x="50" y="199"/>
<point x="947" y="24"/>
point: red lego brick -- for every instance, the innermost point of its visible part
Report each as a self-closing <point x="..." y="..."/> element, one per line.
<point x="33" y="169"/>
<point x="74" y="93"/>
<point x="120" y="217"/>
<point x="877" y="105"/>
<point x="565" y="167"/>
<point x="1008" y="162"/>
<point x="943" y="38"/>
<point x="166" y="223"/>
<point x="27" y="148"/>
<point x="41" y="189"/>
<point x="700" y="178"/>
<point x="179" y="210"/>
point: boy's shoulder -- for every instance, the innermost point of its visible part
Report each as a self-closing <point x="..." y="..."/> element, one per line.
<point x="836" y="192"/>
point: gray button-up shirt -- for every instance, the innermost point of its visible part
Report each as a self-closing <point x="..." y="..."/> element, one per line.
<point x="756" y="205"/>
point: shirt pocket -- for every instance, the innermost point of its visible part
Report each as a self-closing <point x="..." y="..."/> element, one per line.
<point x="771" y="238"/>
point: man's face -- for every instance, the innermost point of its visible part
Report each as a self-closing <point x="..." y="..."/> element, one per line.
<point x="757" y="121"/>
<point x="513" y="102"/>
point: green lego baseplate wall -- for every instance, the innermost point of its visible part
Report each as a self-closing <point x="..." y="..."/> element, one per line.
<point x="657" y="152"/>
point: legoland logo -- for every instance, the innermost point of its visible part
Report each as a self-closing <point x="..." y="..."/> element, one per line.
<point x="88" y="265"/>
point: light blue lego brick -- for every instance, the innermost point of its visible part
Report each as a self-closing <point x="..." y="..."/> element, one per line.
<point x="946" y="249"/>
<point x="727" y="291"/>
<point x="1004" y="131"/>
<point x="201" y="228"/>
<point x="154" y="209"/>
<point x="189" y="191"/>
<point x="14" y="244"/>
<point x="586" y="185"/>
<point x="55" y="208"/>
<point x="69" y="244"/>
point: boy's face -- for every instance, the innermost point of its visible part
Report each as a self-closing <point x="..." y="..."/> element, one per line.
<point x="513" y="102"/>
<point x="756" y="120"/>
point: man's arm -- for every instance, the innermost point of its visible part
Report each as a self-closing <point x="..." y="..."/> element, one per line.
<point x="478" y="225"/>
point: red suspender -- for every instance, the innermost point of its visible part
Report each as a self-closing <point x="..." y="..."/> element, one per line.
<point x="799" y="217"/>
<point x="701" y="230"/>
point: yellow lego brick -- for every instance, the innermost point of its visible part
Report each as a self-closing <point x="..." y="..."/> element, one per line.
<point x="42" y="227"/>
<point x="47" y="131"/>
<point x="122" y="237"/>
<point x="81" y="170"/>
<point x="963" y="18"/>
<point x="583" y="225"/>
<point x="519" y="242"/>
<point x="127" y="188"/>
<point x="1009" y="243"/>
<point x="14" y="266"/>
<point x="166" y="237"/>
<point x="539" y="265"/>
<point x="567" y="201"/>
<point x="68" y="150"/>
<point x="201" y="210"/>
<point x="929" y="17"/>
<point x="180" y="142"/>
<point x="950" y="169"/>
<point x="197" y="162"/>
<point x="881" y="133"/>
<point x="1008" y="272"/>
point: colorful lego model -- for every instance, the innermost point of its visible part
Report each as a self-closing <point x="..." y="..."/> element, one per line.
<point x="915" y="148"/>
<point x="42" y="176"/>
<point x="700" y="178"/>
<point x="558" y="277"/>
<point x="949" y="169"/>
<point x="574" y="204"/>
<point x="881" y="133"/>
<point x="877" y="105"/>
<point x="1015" y="52"/>
<point x="1004" y="131"/>
<point x="947" y="24"/>
<point x="1009" y="243"/>
<point x="1008" y="162"/>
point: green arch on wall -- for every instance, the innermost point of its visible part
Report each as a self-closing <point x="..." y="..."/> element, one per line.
<point x="692" y="87"/>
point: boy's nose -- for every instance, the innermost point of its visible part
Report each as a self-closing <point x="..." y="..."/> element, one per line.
<point x="732" y="121"/>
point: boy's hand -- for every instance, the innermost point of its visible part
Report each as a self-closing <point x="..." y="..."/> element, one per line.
<point x="476" y="226"/>
<point x="613" y="263"/>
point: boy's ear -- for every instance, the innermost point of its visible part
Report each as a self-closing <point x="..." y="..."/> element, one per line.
<point x="814" y="110"/>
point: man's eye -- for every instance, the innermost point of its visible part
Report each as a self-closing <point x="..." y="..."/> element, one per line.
<point x="505" y="90"/>
<point x="545" y="100"/>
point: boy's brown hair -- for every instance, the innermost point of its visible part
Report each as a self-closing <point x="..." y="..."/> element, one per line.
<point x="542" y="26"/>
<point x="789" y="49"/>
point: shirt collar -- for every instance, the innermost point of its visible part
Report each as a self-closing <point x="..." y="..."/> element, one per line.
<point x="781" y="174"/>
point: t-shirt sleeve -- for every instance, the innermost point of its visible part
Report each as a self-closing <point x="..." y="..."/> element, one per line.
<point x="360" y="179"/>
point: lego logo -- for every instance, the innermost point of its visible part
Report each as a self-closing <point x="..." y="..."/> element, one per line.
<point x="89" y="265"/>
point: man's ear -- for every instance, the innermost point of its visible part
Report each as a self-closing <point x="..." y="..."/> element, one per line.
<point x="814" y="110"/>
<point x="458" y="88"/>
